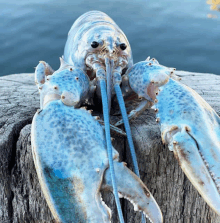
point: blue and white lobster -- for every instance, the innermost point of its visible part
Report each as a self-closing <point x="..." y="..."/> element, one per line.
<point x="73" y="157"/>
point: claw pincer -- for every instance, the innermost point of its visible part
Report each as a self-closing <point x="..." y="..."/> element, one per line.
<point x="62" y="145"/>
<point x="189" y="126"/>
<point x="69" y="150"/>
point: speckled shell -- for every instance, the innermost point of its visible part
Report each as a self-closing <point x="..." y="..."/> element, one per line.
<point x="181" y="106"/>
<point x="88" y="28"/>
<point x="71" y="84"/>
<point x="68" y="148"/>
<point x="142" y="74"/>
<point x="189" y="126"/>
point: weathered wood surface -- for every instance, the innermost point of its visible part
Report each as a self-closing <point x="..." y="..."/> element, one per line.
<point x="21" y="199"/>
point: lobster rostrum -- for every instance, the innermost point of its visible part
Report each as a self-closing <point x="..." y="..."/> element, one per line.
<point x="188" y="124"/>
<point x="69" y="150"/>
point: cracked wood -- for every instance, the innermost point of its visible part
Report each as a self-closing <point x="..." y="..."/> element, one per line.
<point x="21" y="199"/>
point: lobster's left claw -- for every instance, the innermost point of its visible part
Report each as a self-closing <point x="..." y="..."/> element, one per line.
<point x="188" y="125"/>
<point x="134" y="190"/>
<point x="202" y="171"/>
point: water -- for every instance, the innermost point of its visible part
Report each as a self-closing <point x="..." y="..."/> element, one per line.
<point x="177" y="33"/>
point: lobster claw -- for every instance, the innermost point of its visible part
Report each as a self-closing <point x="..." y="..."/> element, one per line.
<point x="134" y="190"/>
<point x="188" y="124"/>
<point x="202" y="171"/>
<point x="73" y="170"/>
<point x="69" y="151"/>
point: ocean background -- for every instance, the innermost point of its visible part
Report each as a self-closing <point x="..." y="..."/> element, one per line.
<point x="181" y="34"/>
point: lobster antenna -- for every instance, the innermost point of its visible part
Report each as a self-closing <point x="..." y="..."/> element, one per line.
<point x="109" y="147"/>
<point x="128" y="131"/>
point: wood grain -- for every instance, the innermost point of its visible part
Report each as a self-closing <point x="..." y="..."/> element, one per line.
<point x="21" y="199"/>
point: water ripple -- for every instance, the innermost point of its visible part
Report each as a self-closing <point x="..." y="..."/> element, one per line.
<point x="179" y="34"/>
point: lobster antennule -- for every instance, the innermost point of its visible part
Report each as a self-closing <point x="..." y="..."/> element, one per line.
<point x="109" y="146"/>
<point x="109" y="81"/>
<point x="117" y="81"/>
<point x="127" y="127"/>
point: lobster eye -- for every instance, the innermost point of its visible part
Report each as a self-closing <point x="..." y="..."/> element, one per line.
<point x="94" y="44"/>
<point x="123" y="46"/>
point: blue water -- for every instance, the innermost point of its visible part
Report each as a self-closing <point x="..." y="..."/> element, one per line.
<point x="177" y="33"/>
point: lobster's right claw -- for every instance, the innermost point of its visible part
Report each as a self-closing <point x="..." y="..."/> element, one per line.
<point x="134" y="190"/>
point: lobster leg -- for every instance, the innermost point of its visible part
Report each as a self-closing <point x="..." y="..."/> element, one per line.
<point x="113" y="128"/>
<point x="117" y="81"/>
<point x="136" y="112"/>
<point x="133" y="189"/>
